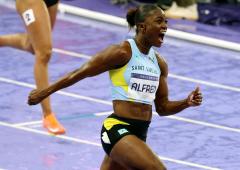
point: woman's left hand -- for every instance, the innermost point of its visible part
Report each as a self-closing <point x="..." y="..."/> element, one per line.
<point x="195" y="98"/>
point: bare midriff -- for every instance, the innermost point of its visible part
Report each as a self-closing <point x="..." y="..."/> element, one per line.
<point x="132" y="110"/>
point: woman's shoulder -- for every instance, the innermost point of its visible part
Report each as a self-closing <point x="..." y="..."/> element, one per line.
<point x="124" y="49"/>
<point x="162" y="62"/>
<point x="160" y="58"/>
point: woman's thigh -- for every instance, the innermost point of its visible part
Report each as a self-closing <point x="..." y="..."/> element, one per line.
<point x="37" y="22"/>
<point x="109" y="164"/>
<point x="133" y="153"/>
<point x="52" y="10"/>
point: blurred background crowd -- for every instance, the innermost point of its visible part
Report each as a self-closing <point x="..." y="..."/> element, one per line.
<point x="214" y="12"/>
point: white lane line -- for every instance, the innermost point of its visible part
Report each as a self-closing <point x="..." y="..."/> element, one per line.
<point x="39" y="122"/>
<point x="205" y="124"/>
<point x="225" y="87"/>
<point x="110" y="103"/>
<point x="207" y="83"/>
<point x="64" y="137"/>
<point x="19" y="83"/>
<point x="23" y="84"/>
<point x="171" y="32"/>
<point x="47" y="134"/>
<point x="104" y="113"/>
<point x="84" y="98"/>
<point x="28" y="123"/>
<point x="188" y="121"/>
<point x="188" y="163"/>
<point x="71" y="53"/>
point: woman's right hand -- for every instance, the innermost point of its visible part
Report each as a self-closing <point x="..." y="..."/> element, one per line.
<point x="35" y="97"/>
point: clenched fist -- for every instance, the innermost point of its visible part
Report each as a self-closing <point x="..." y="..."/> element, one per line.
<point x="195" y="98"/>
<point x="36" y="96"/>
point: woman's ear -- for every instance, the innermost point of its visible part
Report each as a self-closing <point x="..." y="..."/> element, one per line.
<point x="141" y="27"/>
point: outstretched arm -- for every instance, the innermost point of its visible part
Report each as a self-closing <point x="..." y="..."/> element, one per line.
<point x="164" y="107"/>
<point x="110" y="58"/>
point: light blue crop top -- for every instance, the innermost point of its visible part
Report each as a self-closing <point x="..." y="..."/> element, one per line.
<point x="138" y="80"/>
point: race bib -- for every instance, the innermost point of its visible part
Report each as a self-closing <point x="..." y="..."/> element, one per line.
<point x="143" y="87"/>
<point x="28" y="17"/>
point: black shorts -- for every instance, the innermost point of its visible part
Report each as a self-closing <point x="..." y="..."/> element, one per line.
<point x="114" y="128"/>
<point x="51" y="2"/>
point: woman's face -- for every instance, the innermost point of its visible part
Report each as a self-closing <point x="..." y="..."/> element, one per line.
<point x="155" y="27"/>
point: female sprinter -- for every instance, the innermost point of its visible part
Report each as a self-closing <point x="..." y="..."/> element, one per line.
<point x="139" y="79"/>
<point x="39" y="18"/>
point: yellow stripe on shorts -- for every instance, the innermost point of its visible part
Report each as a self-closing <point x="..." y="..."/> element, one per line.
<point x="110" y="122"/>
